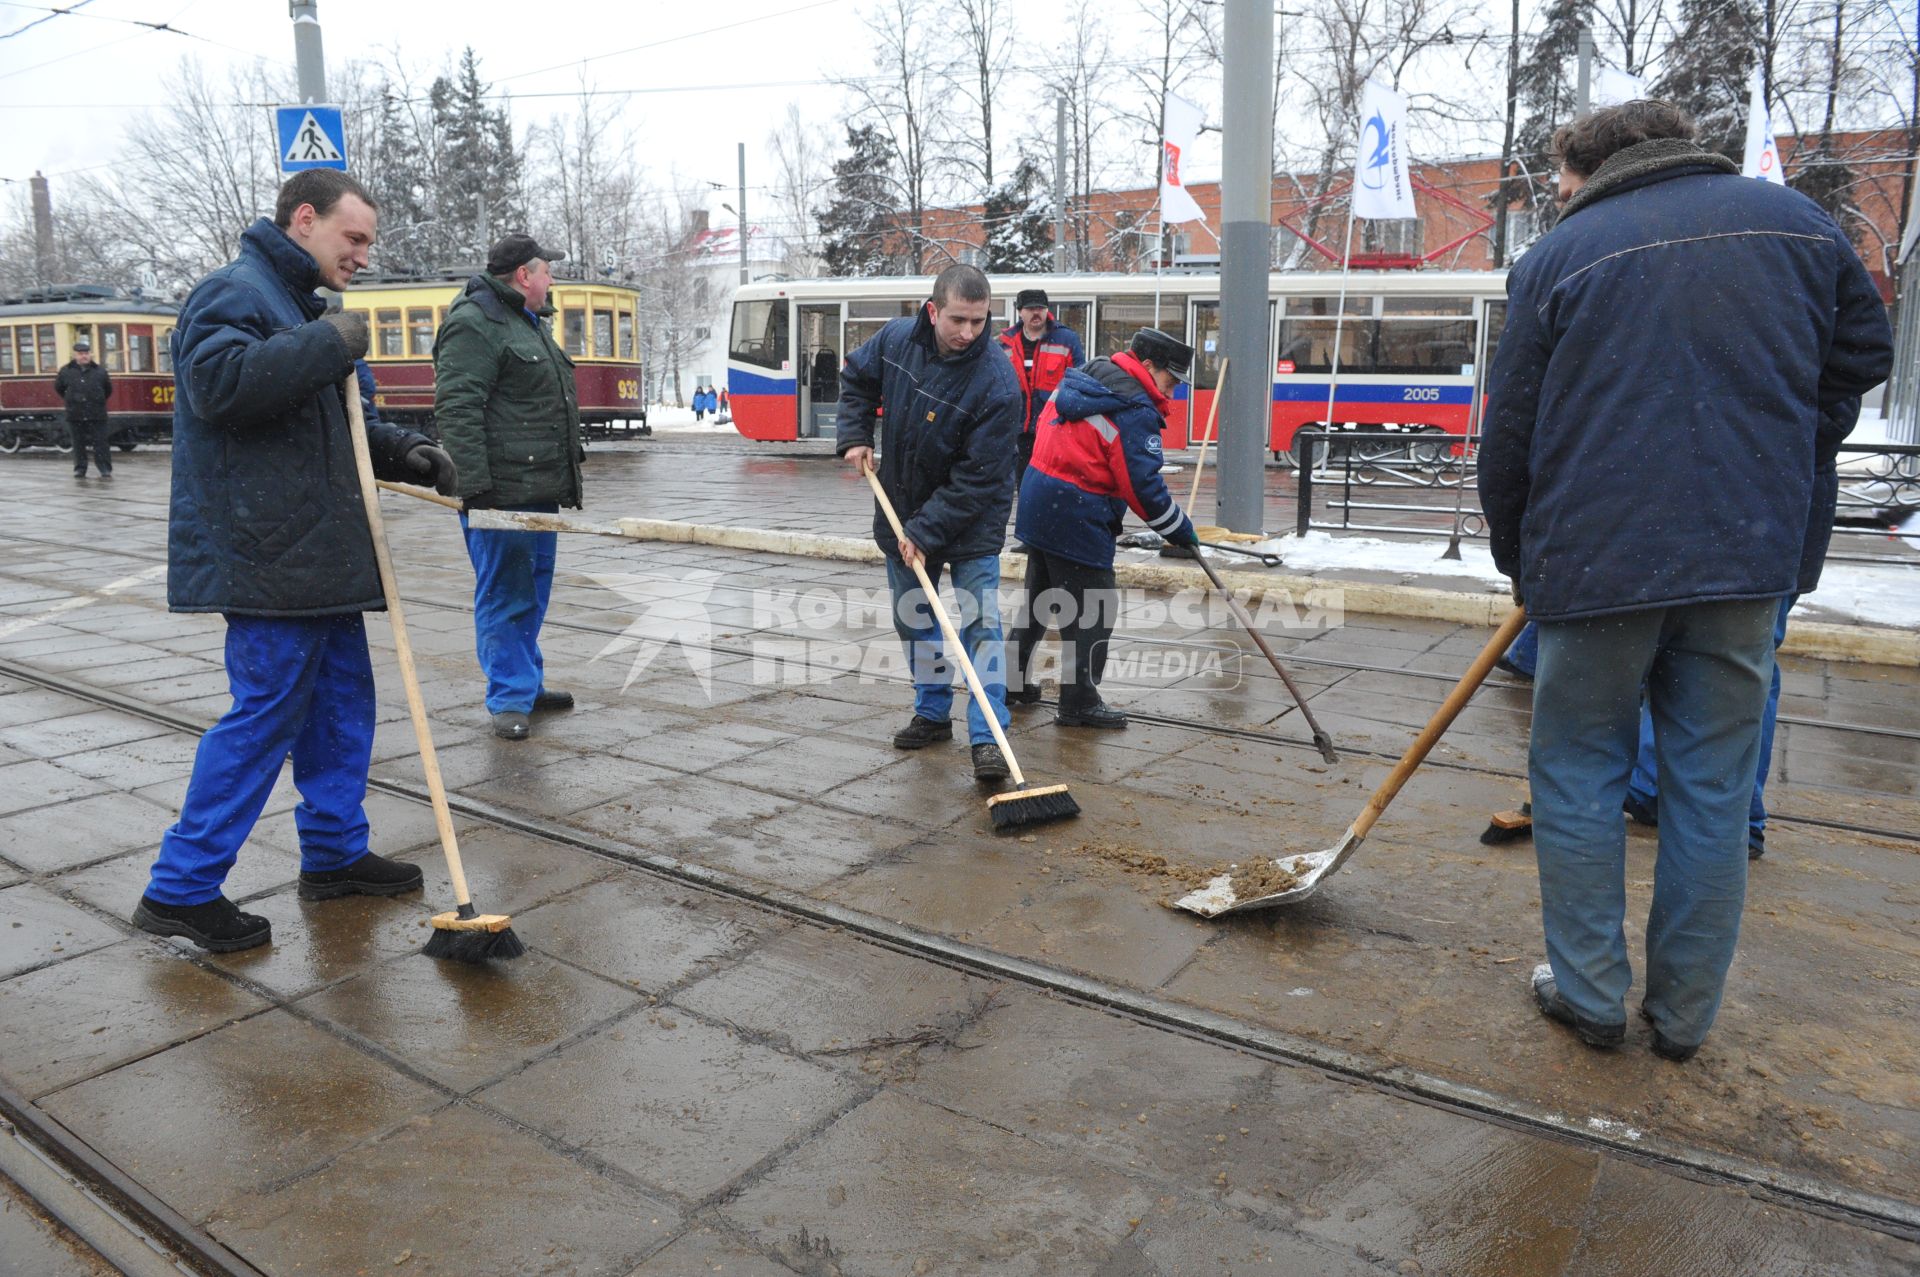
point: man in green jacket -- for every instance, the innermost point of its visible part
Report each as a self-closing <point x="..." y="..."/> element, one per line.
<point x="503" y="398"/>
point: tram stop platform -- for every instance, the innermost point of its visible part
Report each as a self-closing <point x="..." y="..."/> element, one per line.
<point x="791" y="1005"/>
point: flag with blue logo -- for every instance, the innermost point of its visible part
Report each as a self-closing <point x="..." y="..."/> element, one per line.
<point x="1763" y="156"/>
<point x="1382" y="185"/>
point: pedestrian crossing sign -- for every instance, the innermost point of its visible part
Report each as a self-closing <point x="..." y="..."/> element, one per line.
<point x="311" y="137"/>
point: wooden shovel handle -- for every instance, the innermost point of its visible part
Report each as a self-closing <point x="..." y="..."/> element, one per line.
<point x="1442" y="719"/>
<point x="1206" y="436"/>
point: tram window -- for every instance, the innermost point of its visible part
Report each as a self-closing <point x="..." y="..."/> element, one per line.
<point x="1426" y="305"/>
<point x="1121" y="317"/>
<point x="865" y="318"/>
<point x="386" y="325"/>
<point x="603" y="334"/>
<point x="49" y="352"/>
<point x="1308" y="344"/>
<point x="6" y="352"/>
<point x="1438" y="347"/>
<point x="573" y="328"/>
<point x="165" y="343"/>
<point x="626" y="335"/>
<point x="420" y="330"/>
<point x="760" y="335"/>
<point x="139" y="352"/>
<point x="1496" y="325"/>
<point x="111" y="355"/>
<point x="1307" y="307"/>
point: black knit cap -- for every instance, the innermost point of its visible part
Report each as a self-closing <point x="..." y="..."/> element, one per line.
<point x="1163" y="349"/>
<point x="1030" y="297"/>
<point x="510" y="252"/>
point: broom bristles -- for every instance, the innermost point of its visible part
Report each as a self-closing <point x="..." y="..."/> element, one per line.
<point x="475" y="946"/>
<point x="1031" y="807"/>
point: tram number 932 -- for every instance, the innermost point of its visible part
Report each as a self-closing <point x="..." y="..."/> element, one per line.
<point x="162" y="396"/>
<point x="1421" y="394"/>
<point x="629" y="389"/>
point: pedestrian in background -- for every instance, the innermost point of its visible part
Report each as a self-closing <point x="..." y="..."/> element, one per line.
<point x="1041" y="350"/>
<point x="84" y="386"/>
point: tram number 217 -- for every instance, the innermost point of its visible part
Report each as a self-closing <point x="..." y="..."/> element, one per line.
<point x="1421" y="394"/>
<point x="162" y="396"/>
<point x="628" y="389"/>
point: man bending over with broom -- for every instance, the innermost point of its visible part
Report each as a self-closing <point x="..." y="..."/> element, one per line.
<point x="950" y="412"/>
<point x="267" y="529"/>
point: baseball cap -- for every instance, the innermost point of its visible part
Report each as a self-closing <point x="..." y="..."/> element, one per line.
<point x="511" y="252"/>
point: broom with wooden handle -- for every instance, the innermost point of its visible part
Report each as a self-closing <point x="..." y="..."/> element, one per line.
<point x="463" y="934"/>
<point x="1022" y="805"/>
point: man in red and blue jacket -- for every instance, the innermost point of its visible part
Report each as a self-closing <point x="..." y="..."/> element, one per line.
<point x="1096" y="455"/>
<point x="1042" y="349"/>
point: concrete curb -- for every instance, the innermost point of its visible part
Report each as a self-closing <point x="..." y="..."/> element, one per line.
<point x="1817" y="640"/>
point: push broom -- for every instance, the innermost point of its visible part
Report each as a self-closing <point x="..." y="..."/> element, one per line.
<point x="1022" y="805"/>
<point x="463" y="934"/>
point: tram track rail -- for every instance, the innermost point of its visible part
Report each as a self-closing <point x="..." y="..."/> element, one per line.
<point x="1787" y="1188"/>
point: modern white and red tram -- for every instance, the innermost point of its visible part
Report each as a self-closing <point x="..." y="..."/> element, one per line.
<point x="1413" y="344"/>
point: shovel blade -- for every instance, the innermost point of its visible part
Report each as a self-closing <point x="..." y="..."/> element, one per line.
<point x="1217" y="898"/>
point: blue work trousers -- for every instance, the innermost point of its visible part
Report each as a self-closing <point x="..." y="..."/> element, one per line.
<point x="1645" y="785"/>
<point x="1705" y="667"/>
<point x="976" y="588"/>
<point x="512" y="581"/>
<point x="301" y="686"/>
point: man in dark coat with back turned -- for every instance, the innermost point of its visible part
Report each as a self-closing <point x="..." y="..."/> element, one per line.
<point x="508" y="412"/>
<point x="949" y="406"/>
<point x="267" y="528"/>
<point x="83" y="386"/>
<point x="1684" y="354"/>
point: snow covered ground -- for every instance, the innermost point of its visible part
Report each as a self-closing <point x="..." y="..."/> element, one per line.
<point x="667" y="417"/>
<point x="1870" y="594"/>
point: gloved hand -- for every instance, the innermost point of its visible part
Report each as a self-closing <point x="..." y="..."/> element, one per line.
<point x="1184" y="534"/>
<point x="1513" y="586"/>
<point x="352" y="327"/>
<point x="432" y="463"/>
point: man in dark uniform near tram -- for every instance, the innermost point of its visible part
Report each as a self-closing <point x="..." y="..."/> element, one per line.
<point x="1041" y="349"/>
<point x="84" y="386"/>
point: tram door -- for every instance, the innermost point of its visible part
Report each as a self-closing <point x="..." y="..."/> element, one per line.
<point x="1207" y="353"/>
<point x="822" y="351"/>
<point x="1077" y="315"/>
<point x="1493" y="321"/>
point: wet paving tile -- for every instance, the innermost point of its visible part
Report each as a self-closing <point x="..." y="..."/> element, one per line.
<point x="72" y="733"/>
<point x="644" y="931"/>
<point x="560" y="788"/>
<point x="320" y="942"/>
<point x="37" y="928"/>
<point x="457" y="1192"/>
<point x="92" y="1013"/>
<point x="81" y="831"/>
<point x="116" y="885"/>
<point x="897" y="1184"/>
<point x="680" y="1104"/>
<point x="704" y="1249"/>
<point x="506" y="871"/>
<point x="950" y="885"/>
<point x="823" y="994"/>
<point x="244" y="1108"/>
<point x="673" y="815"/>
<point x="137" y="763"/>
<point x="37" y="784"/>
<point x="35" y="1243"/>
<point x="466" y="1025"/>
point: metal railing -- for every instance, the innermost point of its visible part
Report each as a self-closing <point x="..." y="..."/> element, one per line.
<point x="1426" y="485"/>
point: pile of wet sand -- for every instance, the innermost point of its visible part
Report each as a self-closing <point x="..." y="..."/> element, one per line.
<point x="1250" y="881"/>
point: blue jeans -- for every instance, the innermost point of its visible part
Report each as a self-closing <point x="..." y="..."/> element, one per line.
<point x="1705" y="667"/>
<point x="976" y="587"/>
<point x="301" y="686"/>
<point x="512" y="582"/>
<point x="1644" y="787"/>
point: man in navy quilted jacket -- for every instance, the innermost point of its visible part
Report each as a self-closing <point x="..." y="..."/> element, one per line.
<point x="1684" y="354"/>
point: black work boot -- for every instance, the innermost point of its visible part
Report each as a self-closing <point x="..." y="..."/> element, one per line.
<point x="1665" y="1047"/>
<point x="989" y="763"/>
<point x="1076" y="712"/>
<point x="550" y="700"/>
<point x="217" y="926"/>
<point x="510" y="724"/>
<point x="1546" y="996"/>
<point x="922" y="732"/>
<point x="370" y="875"/>
<point x="1028" y="695"/>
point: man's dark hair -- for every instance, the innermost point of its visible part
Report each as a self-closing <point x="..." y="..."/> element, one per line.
<point x="1587" y="143"/>
<point x="320" y="187"/>
<point x="960" y="283"/>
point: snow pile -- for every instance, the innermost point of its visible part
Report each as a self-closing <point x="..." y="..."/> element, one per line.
<point x="667" y="417"/>
<point x="1875" y="595"/>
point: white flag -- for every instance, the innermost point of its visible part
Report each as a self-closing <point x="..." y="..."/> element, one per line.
<point x="1180" y="129"/>
<point x="1381" y="184"/>
<point x="1611" y="87"/>
<point x="1763" y="157"/>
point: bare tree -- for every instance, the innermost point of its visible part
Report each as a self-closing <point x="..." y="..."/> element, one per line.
<point x="897" y="102"/>
<point x="986" y="40"/>
<point x="1080" y="70"/>
<point x="1180" y="47"/>
<point x="800" y="155"/>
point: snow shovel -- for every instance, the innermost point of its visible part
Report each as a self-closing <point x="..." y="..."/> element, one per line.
<point x="1310" y="869"/>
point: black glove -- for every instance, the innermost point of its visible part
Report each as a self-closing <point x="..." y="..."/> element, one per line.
<point x="1185" y="535"/>
<point x="352" y="327"/>
<point x="433" y="464"/>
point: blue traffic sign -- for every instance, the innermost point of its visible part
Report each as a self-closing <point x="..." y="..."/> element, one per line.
<point x="311" y="137"/>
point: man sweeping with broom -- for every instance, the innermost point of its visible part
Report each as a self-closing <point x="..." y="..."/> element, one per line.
<point x="267" y="529"/>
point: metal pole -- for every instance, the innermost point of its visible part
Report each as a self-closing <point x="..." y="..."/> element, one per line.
<point x="1060" y="185"/>
<point x="307" y="53"/>
<point x="480" y="224"/>
<point x="1583" y="90"/>
<point x="1246" y="258"/>
<point x="742" y="207"/>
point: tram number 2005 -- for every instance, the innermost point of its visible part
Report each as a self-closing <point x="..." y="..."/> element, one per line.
<point x="1421" y="394"/>
<point x="629" y="389"/>
<point x="162" y="396"/>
